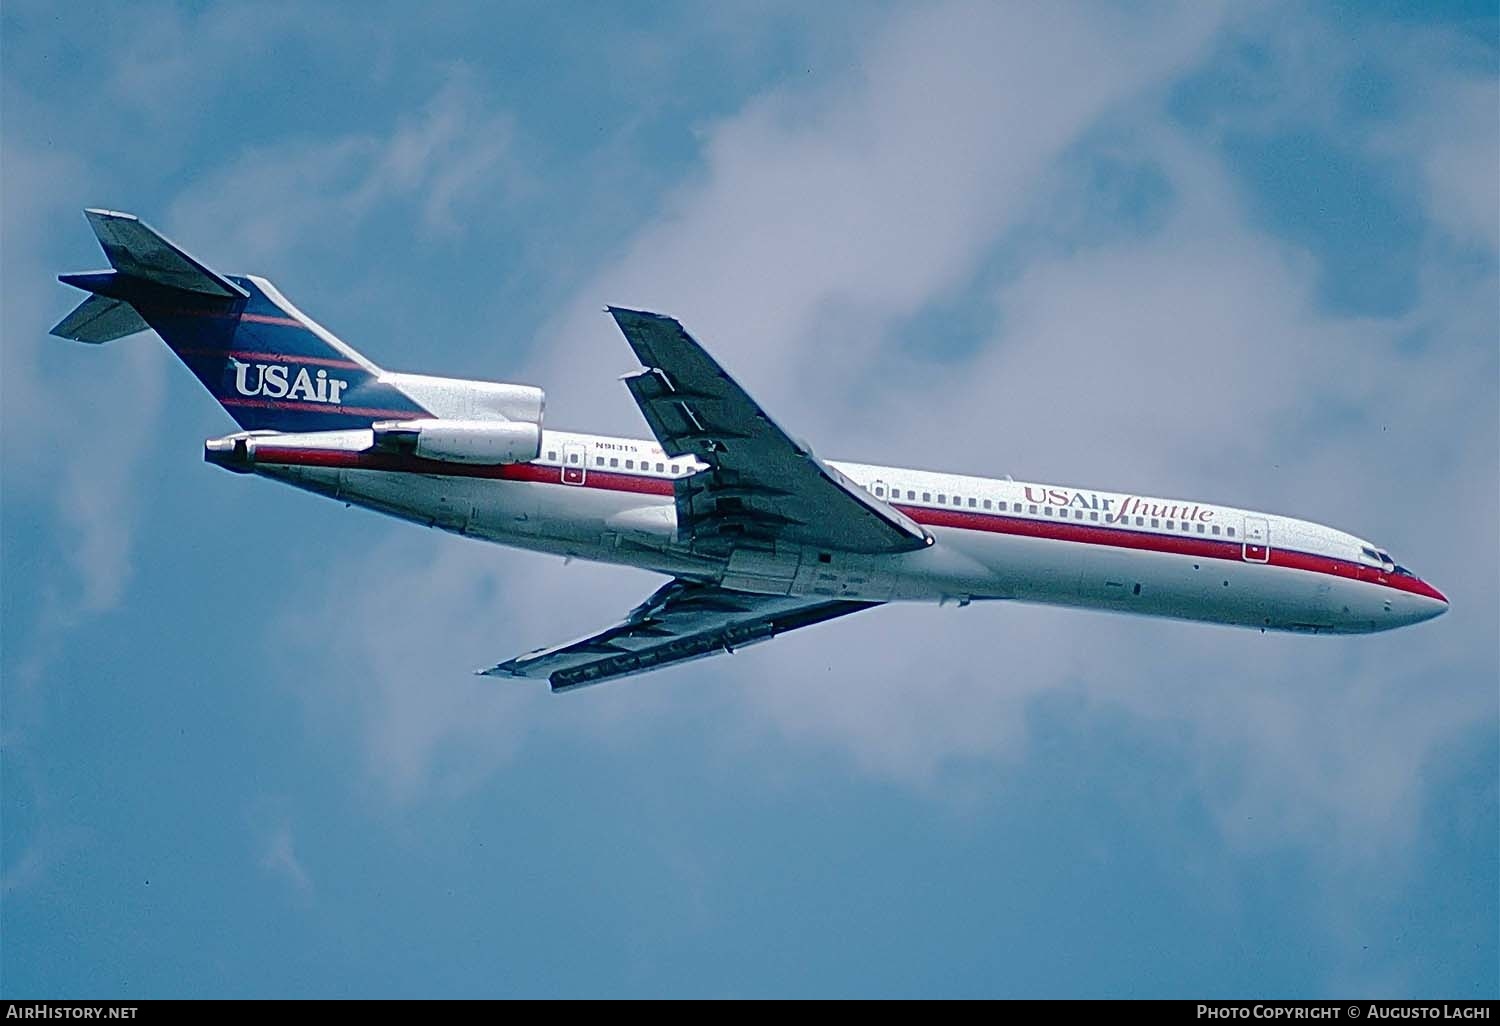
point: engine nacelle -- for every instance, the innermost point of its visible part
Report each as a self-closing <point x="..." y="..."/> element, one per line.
<point x="462" y="441"/>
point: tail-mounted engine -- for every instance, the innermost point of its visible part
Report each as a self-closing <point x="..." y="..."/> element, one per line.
<point x="484" y="422"/>
<point x="461" y="441"/>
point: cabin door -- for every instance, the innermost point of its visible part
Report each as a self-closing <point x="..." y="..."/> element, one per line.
<point x="1257" y="540"/>
<point x="575" y="463"/>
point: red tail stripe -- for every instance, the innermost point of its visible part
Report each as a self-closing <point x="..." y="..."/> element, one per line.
<point x="332" y="409"/>
<point x="265" y="319"/>
<point x="229" y="315"/>
<point x="241" y="354"/>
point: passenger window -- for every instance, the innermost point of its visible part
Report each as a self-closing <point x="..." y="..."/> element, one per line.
<point x="1140" y="521"/>
<point x="879" y="492"/>
<point x="598" y="461"/>
<point x="1094" y="517"/>
<point x="630" y="464"/>
<point x="1033" y="510"/>
<point x="552" y="455"/>
<point x="1046" y="511"/>
<point x="973" y="503"/>
<point x="926" y="496"/>
<point x="1169" y="525"/>
<point x="1230" y="531"/>
<point x="987" y="504"/>
<point x="614" y="461"/>
<point x="660" y="468"/>
<point x="1155" y="522"/>
<point x="942" y="497"/>
<point x="1200" y="528"/>
<point x="1216" y="529"/>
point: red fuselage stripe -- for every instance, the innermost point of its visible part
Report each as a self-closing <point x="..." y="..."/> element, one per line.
<point x="332" y="409"/>
<point x="994" y="523"/>
<point x="316" y="361"/>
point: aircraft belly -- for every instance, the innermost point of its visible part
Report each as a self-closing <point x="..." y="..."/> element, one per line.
<point x="1154" y="583"/>
<point x="539" y="517"/>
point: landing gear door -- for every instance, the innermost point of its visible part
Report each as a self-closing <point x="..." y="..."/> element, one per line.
<point x="1257" y="540"/>
<point x="575" y="463"/>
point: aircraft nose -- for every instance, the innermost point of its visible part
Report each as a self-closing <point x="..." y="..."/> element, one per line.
<point x="1429" y="601"/>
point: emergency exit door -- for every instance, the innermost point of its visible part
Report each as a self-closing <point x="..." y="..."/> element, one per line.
<point x="1257" y="540"/>
<point x="575" y="463"/>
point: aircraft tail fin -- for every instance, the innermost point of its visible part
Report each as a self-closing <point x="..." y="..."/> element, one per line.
<point x="269" y="365"/>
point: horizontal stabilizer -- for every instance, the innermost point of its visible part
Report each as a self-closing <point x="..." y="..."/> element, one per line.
<point x="136" y="250"/>
<point x="100" y="319"/>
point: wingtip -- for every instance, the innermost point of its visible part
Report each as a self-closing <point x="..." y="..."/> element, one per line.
<point x="502" y="670"/>
<point x="625" y="311"/>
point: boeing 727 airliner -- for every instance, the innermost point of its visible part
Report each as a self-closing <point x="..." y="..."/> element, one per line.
<point x="757" y="534"/>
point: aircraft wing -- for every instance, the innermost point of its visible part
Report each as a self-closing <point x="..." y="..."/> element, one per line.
<point x="683" y="620"/>
<point x="761" y="484"/>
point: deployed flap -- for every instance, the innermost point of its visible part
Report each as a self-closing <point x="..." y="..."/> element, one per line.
<point x="760" y="483"/>
<point x="100" y="319"/>
<point x="135" y="249"/>
<point x="683" y="620"/>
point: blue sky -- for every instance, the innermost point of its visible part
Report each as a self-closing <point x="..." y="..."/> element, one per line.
<point x="1250" y="254"/>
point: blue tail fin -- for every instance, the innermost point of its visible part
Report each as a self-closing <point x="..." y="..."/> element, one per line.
<point x="269" y="365"/>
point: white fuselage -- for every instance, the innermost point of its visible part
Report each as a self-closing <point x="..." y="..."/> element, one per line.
<point x="611" y="500"/>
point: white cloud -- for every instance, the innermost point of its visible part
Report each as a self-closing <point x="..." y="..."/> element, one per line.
<point x="1190" y="357"/>
<point x="453" y="153"/>
<point x="888" y="187"/>
<point x="1192" y="361"/>
<point x="280" y="857"/>
<point x="109" y="407"/>
<point x="1462" y="160"/>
